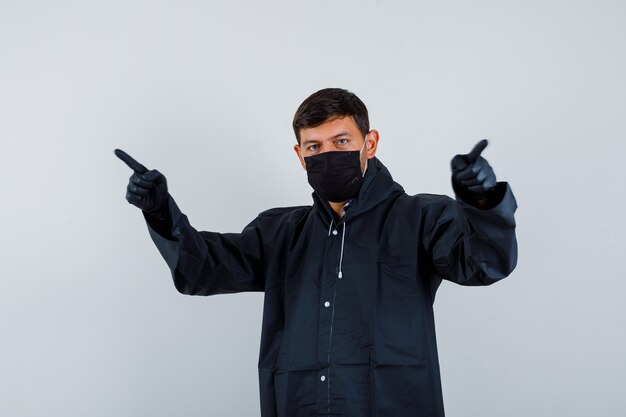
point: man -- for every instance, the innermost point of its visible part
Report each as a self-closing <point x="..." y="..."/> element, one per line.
<point x="349" y="282"/>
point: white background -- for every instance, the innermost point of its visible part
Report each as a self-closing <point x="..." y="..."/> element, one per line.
<point x="205" y="91"/>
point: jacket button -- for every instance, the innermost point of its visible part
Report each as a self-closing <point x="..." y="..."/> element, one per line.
<point x="323" y="378"/>
<point x="327" y="304"/>
<point x="335" y="232"/>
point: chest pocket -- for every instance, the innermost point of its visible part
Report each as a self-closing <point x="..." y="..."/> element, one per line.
<point x="397" y="277"/>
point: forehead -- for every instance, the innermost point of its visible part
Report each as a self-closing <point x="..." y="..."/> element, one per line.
<point x="330" y="129"/>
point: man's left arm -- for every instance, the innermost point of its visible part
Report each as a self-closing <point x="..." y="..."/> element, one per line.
<point x="472" y="240"/>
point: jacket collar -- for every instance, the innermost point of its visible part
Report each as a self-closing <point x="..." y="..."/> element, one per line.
<point x="377" y="186"/>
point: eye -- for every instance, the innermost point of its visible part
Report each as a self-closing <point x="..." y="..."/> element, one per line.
<point x="312" y="147"/>
<point x="342" y="141"/>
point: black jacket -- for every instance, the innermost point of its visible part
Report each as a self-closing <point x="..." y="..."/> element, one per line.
<point x="348" y="327"/>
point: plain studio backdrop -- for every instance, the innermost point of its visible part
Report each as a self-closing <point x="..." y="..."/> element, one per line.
<point x="205" y="92"/>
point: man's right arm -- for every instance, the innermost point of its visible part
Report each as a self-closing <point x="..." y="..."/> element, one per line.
<point x="206" y="263"/>
<point x="201" y="263"/>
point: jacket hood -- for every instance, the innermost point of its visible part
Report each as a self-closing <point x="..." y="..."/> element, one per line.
<point x="377" y="186"/>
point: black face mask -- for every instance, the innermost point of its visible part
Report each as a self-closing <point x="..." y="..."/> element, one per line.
<point x="336" y="176"/>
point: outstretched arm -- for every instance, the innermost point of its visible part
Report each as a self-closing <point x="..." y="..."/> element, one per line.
<point x="472" y="240"/>
<point x="201" y="263"/>
<point x="207" y="263"/>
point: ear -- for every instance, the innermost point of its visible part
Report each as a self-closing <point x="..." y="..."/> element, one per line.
<point x="299" y="153"/>
<point x="371" y="143"/>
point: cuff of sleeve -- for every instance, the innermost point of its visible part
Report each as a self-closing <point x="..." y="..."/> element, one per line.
<point x="487" y="201"/>
<point x="504" y="206"/>
<point x="169" y="249"/>
<point x="165" y="231"/>
<point x="162" y="221"/>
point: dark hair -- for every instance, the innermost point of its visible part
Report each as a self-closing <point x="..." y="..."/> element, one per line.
<point x="328" y="104"/>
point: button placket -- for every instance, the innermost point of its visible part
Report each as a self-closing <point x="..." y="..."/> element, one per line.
<point x="327" y="305"/>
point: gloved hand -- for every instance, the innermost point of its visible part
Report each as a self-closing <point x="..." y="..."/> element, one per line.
<point x="147" y="189"/>
<point x="472" y="176"/>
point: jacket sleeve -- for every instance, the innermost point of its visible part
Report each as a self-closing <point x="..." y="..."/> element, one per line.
<point x="469" y="245"/>
<point x="207" y="263"/>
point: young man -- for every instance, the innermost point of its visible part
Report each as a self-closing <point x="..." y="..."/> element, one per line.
<point x="349" y="281"/>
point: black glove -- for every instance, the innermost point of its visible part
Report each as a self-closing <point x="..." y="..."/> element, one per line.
<point x="473" y="178"/>
<point x="147" y="189"/>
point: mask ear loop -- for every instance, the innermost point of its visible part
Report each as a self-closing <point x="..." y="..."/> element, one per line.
<point x="363" y="147"/>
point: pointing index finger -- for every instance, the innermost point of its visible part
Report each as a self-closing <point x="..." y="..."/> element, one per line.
<point x="131" y="162"/>
<point x="475" y="153"/>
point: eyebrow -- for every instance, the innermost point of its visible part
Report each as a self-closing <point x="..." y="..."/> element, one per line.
<point x="306" y="142"/>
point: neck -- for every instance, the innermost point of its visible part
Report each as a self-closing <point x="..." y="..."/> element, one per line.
<point x="337" y="208"/>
